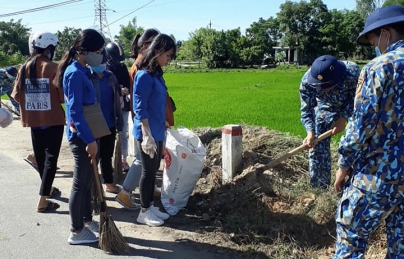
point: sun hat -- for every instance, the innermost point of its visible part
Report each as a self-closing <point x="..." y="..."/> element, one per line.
<point x="325" y="72"/>
<point x="12" y="71"/>
<point x="379" y="18"/>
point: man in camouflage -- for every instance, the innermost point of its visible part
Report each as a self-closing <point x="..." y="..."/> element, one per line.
<point x="327" y="91"/>
<point x="7" y="77"/>
<point x="372" y="150"/>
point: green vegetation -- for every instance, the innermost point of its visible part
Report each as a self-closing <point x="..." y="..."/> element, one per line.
<point x="255" y="97"/>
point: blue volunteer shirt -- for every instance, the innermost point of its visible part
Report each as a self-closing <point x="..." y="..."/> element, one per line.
<point x="149" y="102"/>
<point x="107" y="100"/>
<point x="78" y="92"/>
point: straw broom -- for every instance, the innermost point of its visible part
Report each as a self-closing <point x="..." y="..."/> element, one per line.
<point x="118" y="175"/>
<point x="111" y="239"/>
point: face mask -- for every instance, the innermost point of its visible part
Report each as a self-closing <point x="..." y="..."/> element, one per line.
<point x="10" y="78"/>
<point x="93" y="59"/>
<point x="113" y="63"/>
<point x="377" y="48"/>
<point x="98" y="69"/>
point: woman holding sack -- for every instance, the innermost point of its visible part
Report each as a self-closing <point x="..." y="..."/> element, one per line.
<point x="40" y="105"/>
<point x="73" y="75"/>
<point x="149" y="105"/>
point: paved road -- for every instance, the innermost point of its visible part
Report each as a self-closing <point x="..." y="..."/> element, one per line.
<point x="24" y="233"/>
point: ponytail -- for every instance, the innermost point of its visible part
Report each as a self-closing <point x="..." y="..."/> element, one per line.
<point x="63" y="64"/>
<point x="134" y="50"/>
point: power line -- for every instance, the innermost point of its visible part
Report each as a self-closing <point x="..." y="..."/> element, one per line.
<point x="40" y="8"/>
<point x="132" y="11"/>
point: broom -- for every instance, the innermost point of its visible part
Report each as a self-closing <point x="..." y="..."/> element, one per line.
<point x="118" y="175"/>
<point x="111" y="239"/>
<point x="259" y="172"/>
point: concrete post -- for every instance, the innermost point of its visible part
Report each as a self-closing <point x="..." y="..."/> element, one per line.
<point x="232" y="151"/>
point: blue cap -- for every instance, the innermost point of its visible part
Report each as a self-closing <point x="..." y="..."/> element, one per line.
<point x="379" y="18"/>
<point x="12" y="71"/>
<point x="326" y="71"/>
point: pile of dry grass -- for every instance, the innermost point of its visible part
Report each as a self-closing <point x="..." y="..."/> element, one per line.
<point x="301" y="217"/>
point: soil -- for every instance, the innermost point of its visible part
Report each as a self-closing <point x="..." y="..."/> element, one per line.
<point x="238" y="216"/>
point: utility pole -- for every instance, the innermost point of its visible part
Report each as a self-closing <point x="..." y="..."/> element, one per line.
<point x="100" y="18"/>
<point x="210" y="24"/>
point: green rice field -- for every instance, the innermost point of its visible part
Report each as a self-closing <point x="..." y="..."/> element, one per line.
<point x="267" y="98"/>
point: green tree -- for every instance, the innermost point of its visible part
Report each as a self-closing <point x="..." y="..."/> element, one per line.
<point x="14" y="37"/>
<point x="393" y="2"/>
<point x="301" y="24"/>
<point x="66" y="39"/>
<point x="366" y="7"/>
<point x="126" y="35"/>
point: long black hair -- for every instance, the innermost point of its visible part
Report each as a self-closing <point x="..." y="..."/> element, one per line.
<point x="87" y="40"/>
<point x="141" y="41"/>
<point x="160" y="44"/>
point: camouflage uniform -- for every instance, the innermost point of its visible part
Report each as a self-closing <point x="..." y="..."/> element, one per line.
<point x="319" y="110"/>
<point x="373" y="147"/>
<point x="6" y="87"/>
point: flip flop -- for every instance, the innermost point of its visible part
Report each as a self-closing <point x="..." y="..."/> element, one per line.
<point x="55" y="193"/>
<point x="34" y="165"/>
<point x="52" y="206"/>
<point x="31" y="164"/>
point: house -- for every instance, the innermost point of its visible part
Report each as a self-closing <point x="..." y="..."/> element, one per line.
<point x="291" y="55"/>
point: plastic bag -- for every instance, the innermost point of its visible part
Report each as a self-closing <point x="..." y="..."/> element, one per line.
<point x="6" y="118"/>
<point x="184" y="158"/>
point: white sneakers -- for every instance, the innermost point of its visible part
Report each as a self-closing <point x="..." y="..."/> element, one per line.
<point x="152" y="217"/>
<point x="158" y="213"/>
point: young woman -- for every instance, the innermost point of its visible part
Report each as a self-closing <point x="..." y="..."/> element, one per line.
<point x="108" y="94"/>
<point x="73" y="75"/>
<point x="149" y="103"/>
<point x="125" y="197"/>
<point x="40" y="105"/>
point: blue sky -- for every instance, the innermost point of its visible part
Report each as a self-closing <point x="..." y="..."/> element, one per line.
<point x="177" y="17"/>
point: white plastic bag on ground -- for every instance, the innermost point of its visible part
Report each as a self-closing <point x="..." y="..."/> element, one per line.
<point x="6" y="117"/>
<point x="184" y="159"/>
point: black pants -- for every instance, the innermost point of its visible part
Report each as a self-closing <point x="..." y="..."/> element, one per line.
<point x="46" y="144"/>
<point x="148" y="178"/>
<point x="106" y="147"/>
<point x="80" y="207"/>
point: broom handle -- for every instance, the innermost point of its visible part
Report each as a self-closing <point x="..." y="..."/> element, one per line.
<point x="296" y="150"/>
<point x="97" y="182"/>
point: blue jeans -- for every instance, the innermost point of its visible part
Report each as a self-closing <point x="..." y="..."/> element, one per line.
<point x="8" y="90"/>
<point x="80" y="207"/>
<point x="135" y="171"/>
<point x="124" y="134"/>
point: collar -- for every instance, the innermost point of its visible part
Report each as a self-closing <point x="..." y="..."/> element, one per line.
<point x="396" y="45"/>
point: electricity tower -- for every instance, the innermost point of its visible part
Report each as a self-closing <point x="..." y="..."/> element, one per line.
<point x="100" y="18"/>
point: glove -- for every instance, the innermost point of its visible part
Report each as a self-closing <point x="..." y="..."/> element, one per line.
<point x="148" y="144"/>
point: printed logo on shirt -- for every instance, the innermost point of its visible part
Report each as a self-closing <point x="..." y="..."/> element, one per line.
<point x="37" y="98"/>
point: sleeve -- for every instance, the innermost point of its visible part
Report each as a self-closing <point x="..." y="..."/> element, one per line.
<point x="142" y="89"/>
<point x="307" y="104"/>
<point x="16" y="93"/>
<point x="125" y="76"/>
<point x="362" y="124"/>
<point x="117" y="102"/>
<point x="74" y="93"/>
<point x="351" y="83"/>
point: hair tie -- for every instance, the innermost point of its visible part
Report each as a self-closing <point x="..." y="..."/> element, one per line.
<point x="72" y="51"/>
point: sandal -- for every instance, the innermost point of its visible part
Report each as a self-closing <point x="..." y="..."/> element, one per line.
<point x="125" y="167"/>
<point x="55" y="193"/>
<point x="52" y="206"/>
